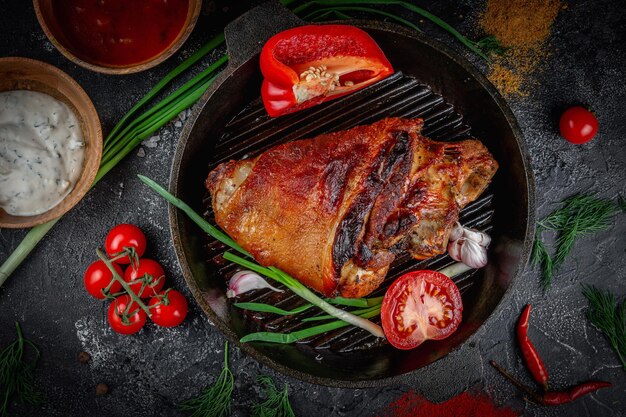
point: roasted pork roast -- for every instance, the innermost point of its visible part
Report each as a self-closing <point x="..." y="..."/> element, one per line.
<point x="335" y="210"/>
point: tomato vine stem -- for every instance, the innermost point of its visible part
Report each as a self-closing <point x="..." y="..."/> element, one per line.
<point x="124" y="284"/>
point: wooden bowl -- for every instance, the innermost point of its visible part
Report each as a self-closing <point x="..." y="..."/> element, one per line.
<point x="49" y="24"/>
<point x="28" y="74"/>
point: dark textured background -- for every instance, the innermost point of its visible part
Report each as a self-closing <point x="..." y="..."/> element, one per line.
<point x="150" y="373"/>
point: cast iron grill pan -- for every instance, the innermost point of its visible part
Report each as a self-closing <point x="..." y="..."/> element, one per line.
<point x="230" y="123"/>
<point x="251" y="132"/>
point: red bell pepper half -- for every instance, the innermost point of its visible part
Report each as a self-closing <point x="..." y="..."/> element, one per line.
<point x="308" y="65"/>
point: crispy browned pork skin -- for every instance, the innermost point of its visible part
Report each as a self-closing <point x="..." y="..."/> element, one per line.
<point x="332" y="211"/>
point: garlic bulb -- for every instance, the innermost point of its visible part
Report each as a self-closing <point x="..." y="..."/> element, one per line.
<point x="468" y="246"/>
<point x="244" y="281"/>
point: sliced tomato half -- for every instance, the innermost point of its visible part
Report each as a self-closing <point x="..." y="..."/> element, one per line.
<point x="419" y="306"/>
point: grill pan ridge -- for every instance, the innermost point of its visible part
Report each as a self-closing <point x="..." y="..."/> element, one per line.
<point x="456" y="103"/>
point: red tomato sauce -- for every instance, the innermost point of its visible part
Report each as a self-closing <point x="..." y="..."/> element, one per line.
<point x="120" y="32"/>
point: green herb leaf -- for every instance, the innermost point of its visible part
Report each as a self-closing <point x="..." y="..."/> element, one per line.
<point x="215" y="400"/>
<point x="276" y="403"/>
<point x="267" y="308"/>
<point x="578" y="216"/>
<point x="16" y="374"/>
<point x="608" y="317"/>
<point x="621" y="202"/>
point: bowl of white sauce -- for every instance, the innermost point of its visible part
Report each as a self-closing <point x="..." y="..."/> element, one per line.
<point x="50" y="142"/>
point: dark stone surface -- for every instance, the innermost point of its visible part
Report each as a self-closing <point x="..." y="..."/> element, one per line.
<point x="150" y="373"/>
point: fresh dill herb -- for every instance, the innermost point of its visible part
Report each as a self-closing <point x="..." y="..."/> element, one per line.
<point x="276" y="403"/>
<point x="609" y="317"/>
<point x="578" y="216"/>
<point x="621" y="202"/>
<point x="215" y="400"/>
<point x="16" y="374"/>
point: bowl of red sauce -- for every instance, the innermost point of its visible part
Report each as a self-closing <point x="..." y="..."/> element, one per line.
<point x="117" y="36"/>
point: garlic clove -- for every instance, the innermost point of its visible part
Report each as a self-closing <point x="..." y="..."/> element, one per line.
<point x="454" y="249"/>
<point x="483" y="239"/>
<point x="473" y="254"/>
<point x="244" y="281"/>
<point x="456" y="233"/>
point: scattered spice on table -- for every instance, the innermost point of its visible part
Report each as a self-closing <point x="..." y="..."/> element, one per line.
<point x="521" y="26"/>
<point x="411" y="404"/>
<point x="84" y="357"/>
<point x="102" y="389"/>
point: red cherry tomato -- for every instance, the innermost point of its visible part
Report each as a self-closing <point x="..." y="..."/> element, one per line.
<point x="125" y="236"/>
<point x="97" y="277"/>
<point x="578" y="125"/>
<point x="135" y="317"/>
<point x="146" y="267"/>
<point x="170" y="308"/>
<point x="419" y="306"/>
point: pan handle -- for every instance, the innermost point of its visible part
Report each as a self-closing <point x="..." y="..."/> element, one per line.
<point x="246" y="35"/>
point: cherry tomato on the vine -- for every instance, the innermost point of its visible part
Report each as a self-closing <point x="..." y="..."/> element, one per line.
<point x="578" y="125"/>
<point x="419" y="306"/>
<point x="125" y="236"/>
<point x="168" y="309"/>
<point x="126" y="322"/>
<point x="149" y="267"/>
<point x="98" y="276"/>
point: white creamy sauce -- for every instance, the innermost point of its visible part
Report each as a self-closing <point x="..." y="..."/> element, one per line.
<point x="41" y="152"/>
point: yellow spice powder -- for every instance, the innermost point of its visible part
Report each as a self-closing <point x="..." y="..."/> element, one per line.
<point x="522" y="26"/>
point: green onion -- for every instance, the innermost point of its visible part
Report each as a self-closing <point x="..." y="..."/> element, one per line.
<point x="270" y="272"/>
<point x="302" y="334"/>
<point x="267" y="308"/>
<point x="195" y="57"/>
<point x="328" y="316"/>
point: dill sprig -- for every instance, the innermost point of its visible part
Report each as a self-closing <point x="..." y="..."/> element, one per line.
<point x="16" y="374"/>
<point x="578" y="216"/>
<point x="215" y="400"/>
<point x="276" y="403"/>
<point x="609" y="317"/>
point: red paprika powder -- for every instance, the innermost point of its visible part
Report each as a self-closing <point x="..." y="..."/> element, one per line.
<point x="412" y="404"/>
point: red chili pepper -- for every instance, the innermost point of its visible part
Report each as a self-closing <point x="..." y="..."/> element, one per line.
<point x="563" y="397"/>
<point x="529" y="352"/>
<point x="554" y="397"/>
<point x="308" y="65"/>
